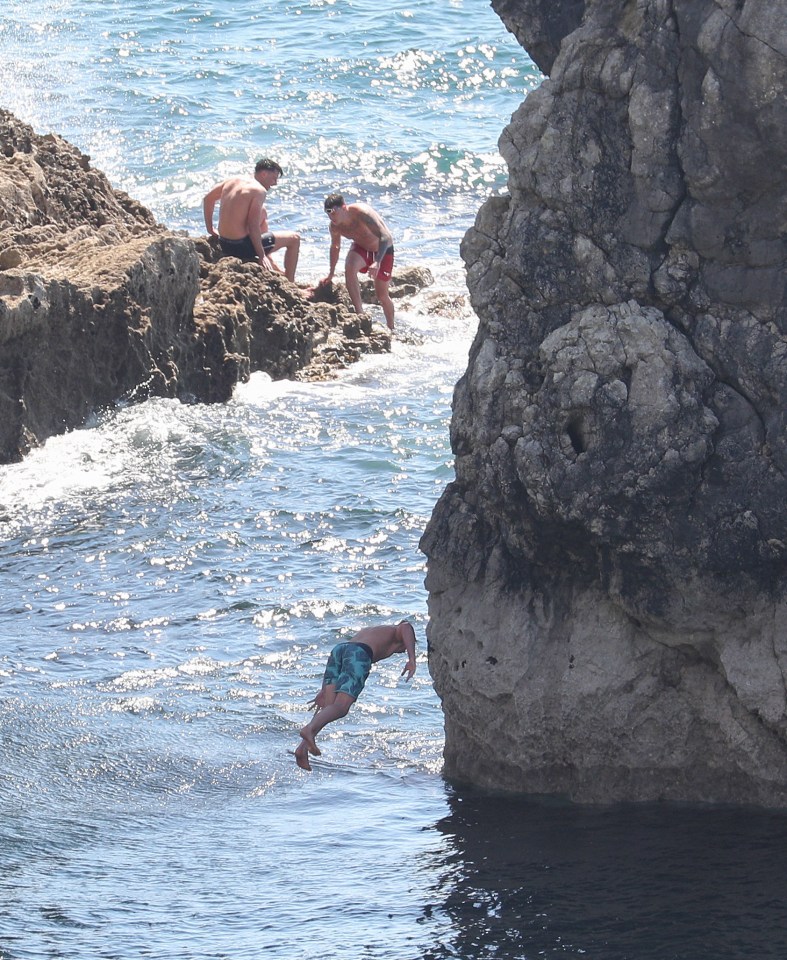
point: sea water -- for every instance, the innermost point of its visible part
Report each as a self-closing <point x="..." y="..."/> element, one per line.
<point x="172" y="577"/>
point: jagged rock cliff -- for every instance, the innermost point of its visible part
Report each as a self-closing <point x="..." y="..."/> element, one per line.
<point x="99" y="303"/>
<point x="606" y="574"/>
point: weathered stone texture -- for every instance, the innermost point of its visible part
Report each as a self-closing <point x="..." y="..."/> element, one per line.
<point x="607" y="572"/>
<point x="99" y="303"/>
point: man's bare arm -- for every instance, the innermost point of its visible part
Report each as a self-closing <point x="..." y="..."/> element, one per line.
<point x="333" y="259"/>
<point x="408" y="638"/>
<point x="208" y="206"/>
<point x="376" y="225"/>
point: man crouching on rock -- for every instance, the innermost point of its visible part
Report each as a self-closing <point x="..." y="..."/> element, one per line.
<point x="243" y="219"/>
<point x="372" y="250"/>
<point x="348" y="667"/>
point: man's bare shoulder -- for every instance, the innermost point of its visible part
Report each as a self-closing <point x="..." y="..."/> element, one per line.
<point x="378" y="634"/>
<point x="243" y="185"/>
<point x="361" y="211"/>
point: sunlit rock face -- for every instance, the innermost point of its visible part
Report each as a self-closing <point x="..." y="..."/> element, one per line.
<point x="606" y="575"/>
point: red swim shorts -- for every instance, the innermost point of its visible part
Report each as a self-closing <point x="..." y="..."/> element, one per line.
<point x="386" y="267"/>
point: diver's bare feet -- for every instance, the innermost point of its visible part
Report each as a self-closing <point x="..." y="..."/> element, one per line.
<point x="302" y="756"/>
<point x="308" y="738"/>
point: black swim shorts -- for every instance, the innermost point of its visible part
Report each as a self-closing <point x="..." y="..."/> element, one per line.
<point x="243" y="249"/>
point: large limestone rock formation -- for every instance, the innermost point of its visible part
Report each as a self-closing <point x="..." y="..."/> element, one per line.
<point x="99" y="303"/>
<point x="606" y="575"/>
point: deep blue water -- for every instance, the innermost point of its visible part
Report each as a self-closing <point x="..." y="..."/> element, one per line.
<point x="172" y="577"/>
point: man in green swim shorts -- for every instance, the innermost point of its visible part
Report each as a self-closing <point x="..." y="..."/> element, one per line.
<point x="348" y="667"/>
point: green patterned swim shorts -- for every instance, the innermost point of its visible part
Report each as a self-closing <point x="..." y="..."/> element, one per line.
<point x="348" y="667"/>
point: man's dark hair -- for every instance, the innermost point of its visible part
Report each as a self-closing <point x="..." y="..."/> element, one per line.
<point x="265" y="163"/>
<point x="333" y="200"/>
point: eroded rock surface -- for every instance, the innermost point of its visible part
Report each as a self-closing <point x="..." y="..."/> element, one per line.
<point x="607" y="572"/>
<point x="99" y="303"/>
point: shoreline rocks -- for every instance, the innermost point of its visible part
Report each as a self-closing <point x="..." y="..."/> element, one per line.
<point x="99" y="303"/>
<point x="607" y="573"/>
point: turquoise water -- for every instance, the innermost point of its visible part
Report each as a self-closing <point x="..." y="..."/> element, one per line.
<point x="400" y="105"/>
<point x="172" y="577"/>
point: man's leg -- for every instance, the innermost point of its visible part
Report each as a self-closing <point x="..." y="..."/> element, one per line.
<point x="381" y="289"/>
<point x="335" y="710"/>
<point x="291" y="244"/>
<point x="302" y="755"/>
<point x="325" y="697"/>
<point x="334" y="707"/>
<point x="352" y="265"/>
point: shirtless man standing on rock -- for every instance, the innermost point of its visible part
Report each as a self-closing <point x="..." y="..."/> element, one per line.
<point x="243" y="219"/>
<point x="372" y="250"/>
<point x="348" y="667"/>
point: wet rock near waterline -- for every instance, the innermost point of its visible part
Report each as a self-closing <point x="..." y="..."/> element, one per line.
<point x="99" y="303"/>
<point x="606" y="575"/>
<point x="280" y="328"/>
<point x="404" y="283"/>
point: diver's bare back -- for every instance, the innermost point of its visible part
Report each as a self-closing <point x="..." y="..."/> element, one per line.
<point x="382" y="640"/>
<point x="237" y="196"/>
